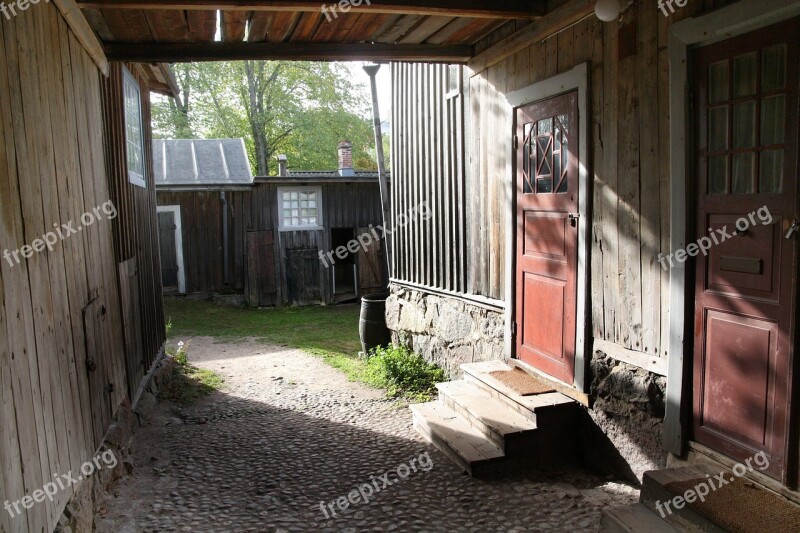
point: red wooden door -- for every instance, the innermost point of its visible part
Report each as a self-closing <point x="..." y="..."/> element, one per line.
<point x="547" y="235"/>
<point x="746" y="105"/>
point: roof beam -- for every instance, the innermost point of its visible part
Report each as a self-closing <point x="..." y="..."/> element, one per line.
<point x="504" y="9"/>
<point x="187" y="52"/>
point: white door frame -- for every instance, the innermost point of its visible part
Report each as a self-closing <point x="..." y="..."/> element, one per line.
<point x="176" y="210"/>
<point x="720" y="25"/>
<point x="575" y="79"/>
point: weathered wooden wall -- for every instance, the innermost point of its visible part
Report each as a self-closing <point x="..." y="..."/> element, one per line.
<point x="345" y="205"/>
<point x="135" y="231"/>
<point x="428" y="166"/>
<point x="629" y="161"/>
<point x="61" y="311"/>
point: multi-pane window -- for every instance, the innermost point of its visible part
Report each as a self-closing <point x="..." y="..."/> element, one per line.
<point x="546" y="156"/>
<point x="747" y="123"/>
<point x="300" y="207"/>
<point x="134" y="136"/>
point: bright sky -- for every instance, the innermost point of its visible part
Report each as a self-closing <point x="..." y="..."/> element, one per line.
<point x="384" y="86"/>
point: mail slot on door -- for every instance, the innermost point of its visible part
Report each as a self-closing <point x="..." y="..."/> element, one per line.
<point x="743" y="265"/>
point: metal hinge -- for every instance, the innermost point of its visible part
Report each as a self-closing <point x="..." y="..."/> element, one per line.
<point x="516" y="142"/>
<point x="513" y="329"/>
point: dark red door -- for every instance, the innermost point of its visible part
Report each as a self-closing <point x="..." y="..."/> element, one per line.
<point x="746" y="104"/>
<point x="547" y="235"/>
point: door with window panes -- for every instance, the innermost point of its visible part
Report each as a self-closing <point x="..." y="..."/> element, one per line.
<point x="745" y="98"/>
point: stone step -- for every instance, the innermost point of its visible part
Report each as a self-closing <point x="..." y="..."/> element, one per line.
<point x="549" y="409"/>
<point x="492" y="417"/>
<point x="453" y="436"/>
<point x="655" y="495"/>
<point x="634" y="518"/>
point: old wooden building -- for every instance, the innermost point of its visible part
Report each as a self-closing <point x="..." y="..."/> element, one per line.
<point x="614" y="211"/>
<point x="272" y="239"/>
<point x="81" y="317"/>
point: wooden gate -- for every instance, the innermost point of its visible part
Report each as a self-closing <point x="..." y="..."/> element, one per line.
<point x="370" y="266"/>
<point x="746" y="118"/>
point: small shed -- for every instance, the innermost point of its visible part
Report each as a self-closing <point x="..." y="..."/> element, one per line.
<point x="299" y="238"/>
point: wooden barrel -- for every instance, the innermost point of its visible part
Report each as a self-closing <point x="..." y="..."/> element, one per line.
<point x="372" y="326"/>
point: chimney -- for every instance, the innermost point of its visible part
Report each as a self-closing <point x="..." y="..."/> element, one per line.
<point x="346" y="159"/>
<point x="283" y="161"/>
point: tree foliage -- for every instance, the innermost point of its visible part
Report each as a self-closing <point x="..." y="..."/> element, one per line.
<point x="300" y="109"/>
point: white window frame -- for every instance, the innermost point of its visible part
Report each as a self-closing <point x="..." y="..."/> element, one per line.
<point x="459" y="79"/>
<point x="176" y="209"/>
<point x="305" y="189"/>
<point x="133" y="177"/>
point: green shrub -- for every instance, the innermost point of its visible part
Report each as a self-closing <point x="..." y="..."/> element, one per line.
<point x="403" y="373"/>
<point x="189" y="383"/>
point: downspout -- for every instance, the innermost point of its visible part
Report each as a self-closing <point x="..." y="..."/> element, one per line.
<point x="224" y="200"/>
<point x="372" y="71"/>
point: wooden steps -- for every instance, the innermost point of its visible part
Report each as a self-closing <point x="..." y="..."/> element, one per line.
<point x="487" y="428"/>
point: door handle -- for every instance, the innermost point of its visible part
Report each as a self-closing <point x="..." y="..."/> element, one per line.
<point x="573" y="219"/>
<point x="793" y="229"/>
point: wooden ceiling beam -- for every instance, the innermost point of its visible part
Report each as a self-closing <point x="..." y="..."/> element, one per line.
<point x="187" y="52"/>
<point x="507" y="9"/>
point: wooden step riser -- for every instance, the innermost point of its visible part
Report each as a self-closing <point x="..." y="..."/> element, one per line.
<point x="544" y="417"/>
<point x="441" y="445"/>
<point x="633" y="519"/>
<point x="684" y="519"/>
<point x="499" y="439"/>
<point x="487" y="469"/>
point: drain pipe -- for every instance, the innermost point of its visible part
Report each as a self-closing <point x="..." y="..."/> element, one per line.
<point x="224" y="200"/>
<point x="372" y="72"/>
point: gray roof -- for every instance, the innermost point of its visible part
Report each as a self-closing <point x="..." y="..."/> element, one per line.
<point x="201" y="162"/>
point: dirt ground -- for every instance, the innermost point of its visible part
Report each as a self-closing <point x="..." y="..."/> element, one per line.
<point x="285" y="443"/>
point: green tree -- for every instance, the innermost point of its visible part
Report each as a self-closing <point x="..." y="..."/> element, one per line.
<point x="302" y="109"/>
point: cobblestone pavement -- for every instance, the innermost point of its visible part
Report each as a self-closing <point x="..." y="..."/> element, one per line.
<point x="289" y="433"/>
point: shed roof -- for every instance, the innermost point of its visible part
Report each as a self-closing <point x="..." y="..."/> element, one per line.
<point x="201" y="162"/>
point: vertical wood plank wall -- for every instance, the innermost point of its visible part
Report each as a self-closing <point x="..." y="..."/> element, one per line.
<point x="135" y="230"/>
<point x="428" y="166"/>
<point x="345" y="205"/>
<point x="629" y="142"/>
<point x="61" y="307"/>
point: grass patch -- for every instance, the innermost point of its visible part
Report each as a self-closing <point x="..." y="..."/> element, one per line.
<point x="189" y="383"/>
<point x="330" y="333"/>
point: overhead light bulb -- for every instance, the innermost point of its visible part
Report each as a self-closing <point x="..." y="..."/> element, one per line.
<point x="607" y="10"/>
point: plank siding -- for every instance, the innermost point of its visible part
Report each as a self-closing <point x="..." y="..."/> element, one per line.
<point x="61" y="306"/>
<point x="344" y="205"/>
<point x="430" y="168"/>
<point x="628" y="160"/>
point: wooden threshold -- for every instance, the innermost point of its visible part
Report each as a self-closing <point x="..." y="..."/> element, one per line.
<point x="188" y="52"/>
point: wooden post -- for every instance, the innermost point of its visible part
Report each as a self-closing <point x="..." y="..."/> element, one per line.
<point x="372" y="71"/>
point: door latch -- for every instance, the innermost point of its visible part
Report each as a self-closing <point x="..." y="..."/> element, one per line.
<point x="793" y="229"/>
<point x="573" y="219"/>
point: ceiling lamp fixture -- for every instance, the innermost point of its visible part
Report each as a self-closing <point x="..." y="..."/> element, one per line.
<point x="607" y="10"/>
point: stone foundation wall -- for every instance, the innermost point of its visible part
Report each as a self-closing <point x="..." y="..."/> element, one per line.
<point x="90" y="493"/>
<point x="444" y="330"/>
<point x="627" y="416"/>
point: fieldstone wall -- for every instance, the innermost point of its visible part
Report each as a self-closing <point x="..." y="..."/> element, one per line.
<point x="625" y="434"/>
<point x="91" y="492"/>
<point x="444" y="330"/>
